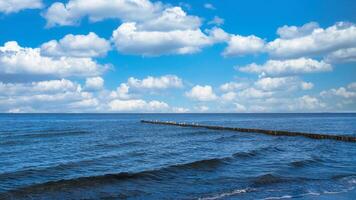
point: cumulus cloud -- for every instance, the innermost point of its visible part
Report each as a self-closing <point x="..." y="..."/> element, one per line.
<point x="218" y="21"/>
<point x="134" y="86"/>
<point x="310" y="40"/>
<point x="137" y="105"/>
<point x="290" y="32"/>
<point x="202" y="93"/>
<point x="45" y="96"/>
<point x="285" y="94"/>
<point x="158" y="30"/>
<point x="282" y="83"/>
<point x="352" y="86"/>
<point x="218" y="35"/>
<point x="151" y="17"/>
<point x="287" y="67"/>
<point x="240" y="107"/>
<point x="121" y="92"/>
<point x="242" y="45"/>
<point x="180" y="110"/>
<point x="94" y="83"/>
<point x="13" y="6"/>
<point x="15" y="59"/>
<point x="341" y="98"/>
<point x="229" y="96"/>
<point x="163" y="82"/>
<point x="77" y="46"/>
<point x="52" y="86"/>
<point x="232" y="86"/>
<point x="254" y="93"/>
<point x="131" y="40"/>
<point x="202" y="108"/>
<point x="73" y="11"/>
<point x="307" y="103"/>
<point x="173" y="18"/>
<point x="67" y="96"/>
<point x="342" y="55"/>
<point x="348" y="92"/>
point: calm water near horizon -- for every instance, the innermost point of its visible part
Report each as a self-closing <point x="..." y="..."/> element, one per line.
<point x="114" y="156"/>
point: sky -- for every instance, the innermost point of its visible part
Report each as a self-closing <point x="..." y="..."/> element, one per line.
<point x="224" y="56"/>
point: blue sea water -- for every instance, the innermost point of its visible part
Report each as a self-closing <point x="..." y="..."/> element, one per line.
<point x="114" y="156"/>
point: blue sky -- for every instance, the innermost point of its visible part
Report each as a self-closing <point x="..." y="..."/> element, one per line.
<point x="177" y="56"/>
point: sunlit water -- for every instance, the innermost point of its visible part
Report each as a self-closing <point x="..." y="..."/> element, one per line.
<point x="114" y="156"/>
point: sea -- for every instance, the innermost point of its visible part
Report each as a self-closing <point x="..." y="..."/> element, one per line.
<point x="115" y="156"/>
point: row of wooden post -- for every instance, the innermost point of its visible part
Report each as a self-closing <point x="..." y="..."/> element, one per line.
<point x="252" y="130"/>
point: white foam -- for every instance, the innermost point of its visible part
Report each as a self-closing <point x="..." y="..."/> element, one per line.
<point x="227" y="194"/>
<point x="282" y="197"/>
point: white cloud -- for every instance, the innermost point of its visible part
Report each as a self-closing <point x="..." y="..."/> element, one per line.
<point x="45" y="96"/>
<point x="209" y="6"/>
<point x="240" y="107"/>
<point x="158" y="29"/>
<point x="352" y="86"/>
<point x="15" y="59"/>
<point x="136" y="87"/>
<point x="218" y="21"/>
<point x="307" y="85"/>
<point x="77" y="46"/>
<point x="163" y="82"/>
<point x="202" y="108"/>
<point x="349" y="92"/>
<point x="94" y="83"/>
<point x="310" y="40"/>
<point x="232" y="86"/>
<point x="121" y="92"/>
<point x="130" y="40"/>
<point x="290" y="32"/>
<point x="287" y="67"/>
<point x="249" y="93"/>
<point x="282" y="83"/>
<point x="307" y="103"/>
<point x="242" y="45"/>
<point x="68" y="96"/>
<point x="180" y="110"/>
<point x="72" y="12"/>
<point x="13" y="6"/>
<point x="202" y="93"/>
<point x="52" y="86"/>
<point x="342" y="55"/>
<point x="342" y="98"/>
<point x="229" y="96"/>
<point x="173" y="18"/>
<point x="137" y="105"/>
<point x="218" y="35"/>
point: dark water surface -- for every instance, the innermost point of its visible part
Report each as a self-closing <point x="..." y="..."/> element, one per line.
<point x="114" y="156"/>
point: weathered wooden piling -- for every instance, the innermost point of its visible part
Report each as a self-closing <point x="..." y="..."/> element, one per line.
<point x="252" y="130"/>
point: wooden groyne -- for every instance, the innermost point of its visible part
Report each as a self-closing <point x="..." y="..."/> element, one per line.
<point x="252" y="130"/>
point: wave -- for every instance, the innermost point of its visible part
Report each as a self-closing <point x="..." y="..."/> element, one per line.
<point x="205" y="164"/>
<point x="149" y="175"/>
<point x="154" y="174"/>
<point x="11" y="142"/>
<point x="228" y="194"/>
<point x="268" y="179"/>
<point x="257" y="152"/>
<point x="50" y="133"/>
<point x="343" y="176"/>
<point x="305" y="162"/>
<point x="310" y="193"/>
<point x="281" y="197"/>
